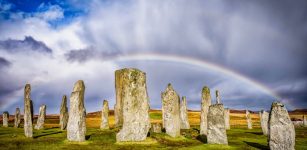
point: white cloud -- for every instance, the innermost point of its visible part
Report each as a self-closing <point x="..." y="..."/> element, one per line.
<point x="51" y="13"/>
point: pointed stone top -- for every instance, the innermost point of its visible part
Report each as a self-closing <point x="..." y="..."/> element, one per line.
<point x="79" y="86"/>
<point x="28" y="86"/>
<point x="206" y="89"/>
<point x="27" y="91"/>
<point x="184" y="99"/>
<point x="43" y="105"/>
<point x="169" y="87"/>
<point x="218" y="98"/>
<point x="6" y="112"/>
<point x="64" y="97"/>
<point x="105" y="101"/>
<point x="277" y="103"/>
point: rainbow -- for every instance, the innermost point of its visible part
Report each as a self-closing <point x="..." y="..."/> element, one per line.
<point x="195" y="62"/>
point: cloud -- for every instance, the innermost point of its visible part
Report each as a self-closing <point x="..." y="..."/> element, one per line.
<point x="49" y="13"/>
<point x="29" y="43"/>
<point x="82" y="55"/>
<point x="4" y="62"/>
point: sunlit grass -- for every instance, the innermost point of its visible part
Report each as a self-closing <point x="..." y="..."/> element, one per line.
<point x="239" y="137"/>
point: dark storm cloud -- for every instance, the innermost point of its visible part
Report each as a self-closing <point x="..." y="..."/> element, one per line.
<point x="4" y="62"/>
<point x="83" y="55"/>
<point x="28" y="44"/>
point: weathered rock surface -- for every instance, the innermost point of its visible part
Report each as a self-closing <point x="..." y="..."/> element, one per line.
<point x="17" y="118"/>
<point x="264" y="120"/>
<point x="205" y="103"/>
<point x="227" y="118"/>
<point x="41" y="118"/>
<point x="105" y="115"/>
<point x="216" y="125"/>
<point x="118" y="108"/>
<point x="171" y="112"/>
<point x="64" y="113"/>
<point x="248" y="120"/>
<point x="184" y="120"/>
<point x="5" y="119"/>
<point x="281" y="130"/>
<point x="76" y="127"/>
<point x="218" y="97"/>
<point x="305" y="121"/>
<point x="156" y="128"/>
<point x="135" y="106"/>
<point x="28" y="112"/>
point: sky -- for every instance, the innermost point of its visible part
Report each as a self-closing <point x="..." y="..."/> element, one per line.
<point x="253" y="52"/>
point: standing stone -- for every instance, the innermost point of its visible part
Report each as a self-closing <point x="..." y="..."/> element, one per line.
<point x="248" y="120"/>
<point x="118" y="108"/>
<point x="156" y="128"/>
<point x="205" y="103"/>
<point x="304" y="121"/>
<point x="64" y="113"/>
<point x="264" y="119"/>
<point x="184" y="120"/>
<point x="135" y="106"/>
<point x="281" y="130"/>
<point x="218" y="97"/>
<point x="105" y="115"/>
<point x="28" y="112"/>
<point x="5" y="119"/>
<point x="41" y="118"/>
<point x="216" y="125"/>
<point x="17" y="118"/>
<point x="170" y="102"/>
<point x="76" y="127"/>
<point x="227" y="118"/>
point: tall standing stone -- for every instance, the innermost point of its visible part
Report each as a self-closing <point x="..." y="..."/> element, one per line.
<point x="171" y="112"/>
<point x="135" y="106"/>
<point x="17" y="118"/>
<point x="184" y="120"/>
<point x="216" y="125"/>
<point x="264" y="119"/>
<point x="105" y="115"/>
<point x="28" y="112"/>
<point x="118" y="108"/>
<point x="76" y="127"/>
<point x="227" y="118"/>
<point x="281" y="130"/>
<point x="5" y="119"/>
<point x="218" y="97"/>
<point x="41" y="118"/>
<point x="64" y="113"/>
<point x="205" y="103"/>
<point x="304" y="121"/>
<point x="248" y="120"/>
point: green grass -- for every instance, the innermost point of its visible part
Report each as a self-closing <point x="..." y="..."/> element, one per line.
<point x="155" y="115"/>
<point x="53" y="138"/>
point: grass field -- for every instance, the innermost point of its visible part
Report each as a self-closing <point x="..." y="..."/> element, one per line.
<point x="52" y="138"/>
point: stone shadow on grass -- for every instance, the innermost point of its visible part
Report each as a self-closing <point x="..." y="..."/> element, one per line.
<point x="202" y="138"/>
<point x="49" y="133"/>
<point x="87" y="137"/>
<point x="256" y="133"/>
<point x="257" y="145"/>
